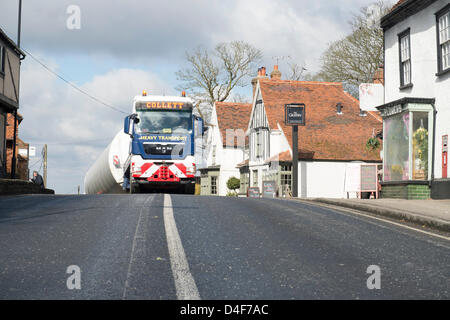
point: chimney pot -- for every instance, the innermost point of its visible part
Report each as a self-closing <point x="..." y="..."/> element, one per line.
<point x="275" y="74"/>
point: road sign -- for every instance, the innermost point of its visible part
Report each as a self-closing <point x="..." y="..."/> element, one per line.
<point x="294" y="114"/>
<point x="32" y="151"/>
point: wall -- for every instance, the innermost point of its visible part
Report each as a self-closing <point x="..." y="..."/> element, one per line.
<point x="423" y="70"/>
<point x="8" y="81"/>
<point x="325" y="179"/>
<point x="231" y="157"/>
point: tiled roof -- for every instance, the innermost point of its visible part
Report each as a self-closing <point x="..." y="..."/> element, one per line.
<point x="232" y="115"/>
<point x="397" y="4"/>
<point x="326" y="135"/>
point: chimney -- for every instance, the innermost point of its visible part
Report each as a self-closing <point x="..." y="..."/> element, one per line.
<point x="275" y="74"/>
<point x="378" y="77"/>
<point x="261" y="75"/>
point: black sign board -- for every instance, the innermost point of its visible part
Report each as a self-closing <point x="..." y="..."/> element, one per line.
<point x="269" y="189"/>
<point x="253" y="192"/>
<point x="294" y="114"/>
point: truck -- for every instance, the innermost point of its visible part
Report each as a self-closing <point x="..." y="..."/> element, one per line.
<point x="159" y="149"/>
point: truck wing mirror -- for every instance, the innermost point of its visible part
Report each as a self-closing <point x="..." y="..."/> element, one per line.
<point x="126" y="125"/>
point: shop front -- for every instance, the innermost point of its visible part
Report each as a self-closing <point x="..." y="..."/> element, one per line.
<point x="408" y="148"/>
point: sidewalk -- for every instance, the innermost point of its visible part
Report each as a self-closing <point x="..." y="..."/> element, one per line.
<point x="431" y="213"/>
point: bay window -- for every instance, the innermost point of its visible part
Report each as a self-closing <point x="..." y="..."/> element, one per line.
<point x="407" y="140"/>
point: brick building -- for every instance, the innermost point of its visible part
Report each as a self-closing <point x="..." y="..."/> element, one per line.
<point x="21" y="149"/>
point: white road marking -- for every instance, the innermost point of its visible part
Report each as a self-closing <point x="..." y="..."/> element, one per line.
<point x="138" y="234"/>
<point x="357" y="212"/>
<point x="184" y="282"/>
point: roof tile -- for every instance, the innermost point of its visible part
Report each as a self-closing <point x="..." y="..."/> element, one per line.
<point x="326" y="135"/>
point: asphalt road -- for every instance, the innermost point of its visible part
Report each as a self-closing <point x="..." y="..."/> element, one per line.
<point x="128" y="247"/>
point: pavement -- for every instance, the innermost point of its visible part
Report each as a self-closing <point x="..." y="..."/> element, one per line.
<point x="155" y="246"/>
<point x="434" y="214"/>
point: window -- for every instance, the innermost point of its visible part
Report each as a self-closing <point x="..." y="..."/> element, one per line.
<point x="214" y="155"/>
<point x="286" y="179"/>
<point x="396" y="147"/>
<point x="255" y="178"/>
<point x="244" y="182"/>
<point x="405" y="58"/>
<point x="2" y="59"/>
<point x="258" y="144"/>
<point x="213" y="185"/>
<point x="443" y="37"/>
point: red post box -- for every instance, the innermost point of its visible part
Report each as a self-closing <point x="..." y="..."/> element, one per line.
<point x="444" y="155"/>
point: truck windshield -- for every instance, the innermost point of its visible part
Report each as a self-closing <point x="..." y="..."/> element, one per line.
<point x="164" y="122"/>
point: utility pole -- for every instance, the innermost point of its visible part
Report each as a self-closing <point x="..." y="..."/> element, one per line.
<point x="45" y="165"/>
<point x="13" y="160"/>
<point x="19" y="24"/>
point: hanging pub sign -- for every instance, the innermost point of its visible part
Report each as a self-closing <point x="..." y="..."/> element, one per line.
<point x="294" y="114"/>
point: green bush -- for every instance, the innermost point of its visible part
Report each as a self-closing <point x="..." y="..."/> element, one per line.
<point x="233" y="184"/>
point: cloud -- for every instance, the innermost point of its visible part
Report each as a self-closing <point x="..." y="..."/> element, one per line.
<point x="75" y="127"/>
<point x="152" y="31"/>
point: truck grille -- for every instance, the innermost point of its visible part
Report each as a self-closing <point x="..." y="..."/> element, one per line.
<point x="162" y="149"/>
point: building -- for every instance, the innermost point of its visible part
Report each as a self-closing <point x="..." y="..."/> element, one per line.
<point x="335" y="135"/>
<point x="416" y="109"/>
<point x="226" y="146"/>
<point x="10" y="57"/>
<point x="22" y="149"/>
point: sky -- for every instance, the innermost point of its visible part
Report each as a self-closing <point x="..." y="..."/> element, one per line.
<point x="124" y="46"/>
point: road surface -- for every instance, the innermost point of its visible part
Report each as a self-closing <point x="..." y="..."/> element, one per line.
<point x="155" y="246"/>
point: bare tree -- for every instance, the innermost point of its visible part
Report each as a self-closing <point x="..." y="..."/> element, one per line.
<point x="211" y="76"/>
<point x="354" y="59"/>
<point x="296" y="71"/>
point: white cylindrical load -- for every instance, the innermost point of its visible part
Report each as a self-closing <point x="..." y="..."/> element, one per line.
<point x="106" y="174"/>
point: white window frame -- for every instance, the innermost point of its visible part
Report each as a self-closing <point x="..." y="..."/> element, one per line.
<point x="443" y="37"/>
<point x="405" y="58"/>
